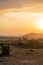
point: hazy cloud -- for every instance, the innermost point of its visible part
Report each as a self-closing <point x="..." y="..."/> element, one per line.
<point x="4" y="4"/>
<point x="33" y="5"/>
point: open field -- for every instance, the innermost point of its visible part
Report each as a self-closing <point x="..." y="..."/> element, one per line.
<point x="23" y="57"/>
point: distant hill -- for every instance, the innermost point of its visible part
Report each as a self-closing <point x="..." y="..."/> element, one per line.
<point x="33" y="36"/>
<point x="28" y="36"/>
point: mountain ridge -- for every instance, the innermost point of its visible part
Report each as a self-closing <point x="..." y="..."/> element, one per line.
<point x="33" y="36"/>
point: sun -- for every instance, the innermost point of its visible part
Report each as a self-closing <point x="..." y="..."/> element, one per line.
<point x="40" y="23"/>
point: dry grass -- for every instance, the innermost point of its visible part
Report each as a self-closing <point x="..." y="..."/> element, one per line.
<point x="23" y="57"/>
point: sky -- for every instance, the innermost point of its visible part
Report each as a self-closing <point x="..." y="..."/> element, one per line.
<point x="19" y="17"/>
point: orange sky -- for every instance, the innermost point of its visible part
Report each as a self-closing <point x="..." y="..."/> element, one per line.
<point x="18" y="17"/>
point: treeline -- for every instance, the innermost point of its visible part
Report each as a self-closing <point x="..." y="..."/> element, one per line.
<point x="27" y="44"/>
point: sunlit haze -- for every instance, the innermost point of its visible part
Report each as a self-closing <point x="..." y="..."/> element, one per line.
<point x="19" y="17"/>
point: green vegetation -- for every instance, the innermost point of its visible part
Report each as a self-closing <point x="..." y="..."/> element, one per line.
<point x="28" y="44"/>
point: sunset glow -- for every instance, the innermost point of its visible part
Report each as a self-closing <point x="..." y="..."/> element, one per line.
<point x="19" y="17"/>
<point x="40" y="23"/>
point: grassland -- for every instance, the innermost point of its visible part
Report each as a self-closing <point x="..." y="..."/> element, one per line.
<point x="20" y="56"/>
